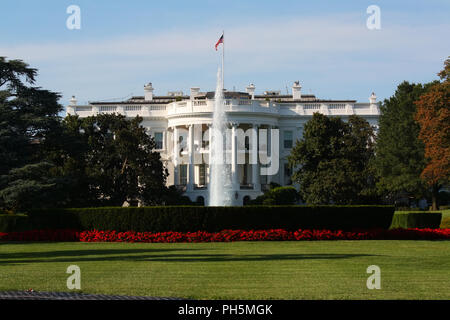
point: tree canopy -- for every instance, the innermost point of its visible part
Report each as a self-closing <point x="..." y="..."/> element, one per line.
<point x="433" y="117"/>
<point x="47" y="161"/>
<point x="117" y="159"/>
<point x="332" y="161"/>
<point x="400" y="154"/>
<point x="28" y="119"/>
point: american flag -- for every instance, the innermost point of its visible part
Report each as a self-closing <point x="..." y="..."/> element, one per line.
<point x="219" y="42"/>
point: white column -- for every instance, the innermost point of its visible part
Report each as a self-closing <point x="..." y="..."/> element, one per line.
<point x="234" y="167"/>
<point x="164" y="140"/>
<point x="269" y="149"/>
<point x="95" y="110"/>
<point x="175" y="156"/>
<point x="191" y="165"/>
<point x="254" y="159"/>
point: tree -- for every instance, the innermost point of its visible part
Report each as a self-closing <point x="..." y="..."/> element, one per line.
<point x="28" y="118"/>
<point x="399" y="152"/>
<point x="114" y="160"/>
<point x="433" y="116"/>
<point x="332" y="161"/>
<point x="30" y="186"/>
<point x="49" y="162"/>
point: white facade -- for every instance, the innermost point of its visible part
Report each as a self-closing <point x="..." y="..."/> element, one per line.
<point x="175" y="115"/>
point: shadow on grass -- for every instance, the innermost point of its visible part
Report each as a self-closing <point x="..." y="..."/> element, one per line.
<point x="82" y="253"/>
<point x="155" y="255"/>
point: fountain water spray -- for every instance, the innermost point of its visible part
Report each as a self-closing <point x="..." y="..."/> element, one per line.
<point x="220" y="192"/>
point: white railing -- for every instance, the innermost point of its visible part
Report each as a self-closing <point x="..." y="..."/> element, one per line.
<point x="108" y="108"/>
<point x="133" y="108"/>
<point x="197" y="103"/>
<point x="157" y="107"/>
<point x="231" y="105"/>
<point x="311" y="106"/>
<point x="336" y="106"/>
<point x="243" y="102"/>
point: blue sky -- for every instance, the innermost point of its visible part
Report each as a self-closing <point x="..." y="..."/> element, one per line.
<point x="324" y="44"/>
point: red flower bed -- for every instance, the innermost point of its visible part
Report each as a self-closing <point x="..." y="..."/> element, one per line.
<point x="41" y="235"/>
<point x="225" y="235"/>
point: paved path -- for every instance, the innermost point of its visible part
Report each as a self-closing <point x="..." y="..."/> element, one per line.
<point x="26" y="295"/>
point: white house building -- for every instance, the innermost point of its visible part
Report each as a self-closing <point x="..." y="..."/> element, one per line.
<point x="178" y="117"/>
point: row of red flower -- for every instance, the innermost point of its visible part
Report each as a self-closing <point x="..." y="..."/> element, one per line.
<point x="225" y="235"/>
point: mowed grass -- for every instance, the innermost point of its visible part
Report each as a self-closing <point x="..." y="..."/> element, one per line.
<point x="239" y="270"/>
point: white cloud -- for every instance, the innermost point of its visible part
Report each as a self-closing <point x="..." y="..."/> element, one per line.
<point x="318" y="44"/>
<point x="343" y="34"/>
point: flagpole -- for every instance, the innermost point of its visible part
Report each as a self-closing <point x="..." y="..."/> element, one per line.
<point x="223" y="58"/>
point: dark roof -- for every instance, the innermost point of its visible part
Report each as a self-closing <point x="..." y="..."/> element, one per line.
<point x="227" y="95"/>
<point x="141" y="100"/>
<point x="281" y="96"/>
<point x="285" y="98"/>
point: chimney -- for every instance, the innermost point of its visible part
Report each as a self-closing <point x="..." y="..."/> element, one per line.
<point x="373" y="98"/>
<point x="72" y="106"/>
<point x="250" y="89"/>
<point x="148" y="89"/>
<point x="73" y="101"/>
<point x="194" y="91"/>
<point x="296" y="91"/>
<point x="373" y="104"/>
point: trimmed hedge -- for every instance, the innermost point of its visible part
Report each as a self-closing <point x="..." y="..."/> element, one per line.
<point x="214" y="219"/>
<point x="418" y="219"/>
<point x="13" y="222"/>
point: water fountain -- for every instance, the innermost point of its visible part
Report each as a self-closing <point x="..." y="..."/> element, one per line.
<point x="220" y="193"/>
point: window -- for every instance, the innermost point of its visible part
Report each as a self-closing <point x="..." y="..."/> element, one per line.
<point x="262" y="178"/>
<point x="183" y="174"/>
<point x="245" y="174"/>
<point x="205" y="140"/>
<point x="200" y="201"/>
<point x="159" y="140"/>
<point x="287" y="174"/>
<point x="202" y="174"/>
<point x="287" y="139"/>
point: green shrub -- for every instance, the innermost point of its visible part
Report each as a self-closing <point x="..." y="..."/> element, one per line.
<point x="213" y="219"/>
<point x="416" y="220"/>
<point x="284" y="195"/>
<point x="278" y="196"/>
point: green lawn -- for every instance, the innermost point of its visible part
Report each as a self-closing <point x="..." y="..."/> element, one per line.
<point x="240" y="270"/>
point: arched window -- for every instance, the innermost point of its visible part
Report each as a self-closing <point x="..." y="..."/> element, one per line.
<point x="200" y="201"/>
<point x="246" y="200"/>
